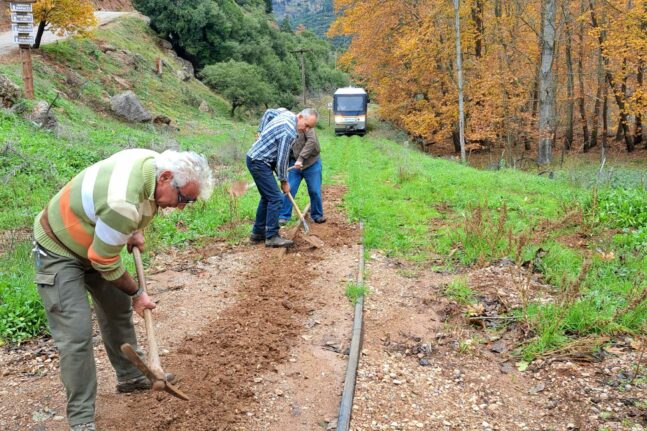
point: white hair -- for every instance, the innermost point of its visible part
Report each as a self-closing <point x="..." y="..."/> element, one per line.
<point x="309" y="112"/>
<point x="187" y="167"/>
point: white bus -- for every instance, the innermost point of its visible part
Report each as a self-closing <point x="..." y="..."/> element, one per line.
<point x="350" y="109"/>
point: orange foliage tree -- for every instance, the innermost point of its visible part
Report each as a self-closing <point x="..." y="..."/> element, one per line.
<point x="403" y="52"/>
<point x="63" y="16"/>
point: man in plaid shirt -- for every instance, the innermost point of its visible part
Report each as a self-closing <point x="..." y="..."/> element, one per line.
<point x="271" y="153"/>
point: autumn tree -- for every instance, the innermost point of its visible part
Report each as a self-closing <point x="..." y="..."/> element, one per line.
<point x="63" y="16"/>
<point x="402" y="52"/>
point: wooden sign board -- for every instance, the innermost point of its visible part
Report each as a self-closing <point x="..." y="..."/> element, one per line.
<point x="22" y="18"/>
<point x="22" y="28"/>
<point x="20" y="7"/>
<point x="23" y="39"/>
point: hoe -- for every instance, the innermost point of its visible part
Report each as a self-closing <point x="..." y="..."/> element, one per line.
<point x="153" y="370"/>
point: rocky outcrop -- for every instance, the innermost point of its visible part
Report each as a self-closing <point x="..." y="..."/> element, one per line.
<point x="9" y="92"/>
<point x="128" y="106"/>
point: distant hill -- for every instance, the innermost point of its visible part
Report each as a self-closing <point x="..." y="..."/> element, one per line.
<point x="315" y="15"/>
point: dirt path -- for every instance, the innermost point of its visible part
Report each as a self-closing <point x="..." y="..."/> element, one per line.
<point x="257" y="339"/>
<point x="255" y="336"/>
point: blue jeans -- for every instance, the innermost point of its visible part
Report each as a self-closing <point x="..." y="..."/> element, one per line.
<point x="267" y="213"/>
<point x="312" y="175"/>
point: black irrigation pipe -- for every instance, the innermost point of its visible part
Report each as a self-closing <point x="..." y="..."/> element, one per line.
<point x="346" y="407"/>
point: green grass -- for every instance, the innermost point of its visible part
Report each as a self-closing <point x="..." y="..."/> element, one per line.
<point x="355" y="291"/>
<point x="458" y="290"/>
<point x="21" y="313"/>
<point x="416" y="207"/>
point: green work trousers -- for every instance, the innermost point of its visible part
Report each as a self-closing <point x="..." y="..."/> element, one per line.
<point x="63" y="284"/>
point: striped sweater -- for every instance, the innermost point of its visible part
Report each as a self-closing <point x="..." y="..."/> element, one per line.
<point x="95" y="214"/>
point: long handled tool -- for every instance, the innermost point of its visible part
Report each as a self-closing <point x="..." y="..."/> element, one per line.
<point x="153" y="370"/>
<point x="313" y="240"/>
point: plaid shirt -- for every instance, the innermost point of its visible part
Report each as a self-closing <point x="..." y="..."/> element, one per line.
<point x="268" y="116"/>
<point x="274" y="143"/>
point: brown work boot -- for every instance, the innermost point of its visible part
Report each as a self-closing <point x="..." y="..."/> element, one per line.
<point x="277" y="241"/>
<point x="84" y="427"/>
<point x="140" y="383"/>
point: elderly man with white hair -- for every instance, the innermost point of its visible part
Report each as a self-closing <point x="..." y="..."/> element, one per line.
<point x="271" y="153"/>
<point x="79" y="237"/>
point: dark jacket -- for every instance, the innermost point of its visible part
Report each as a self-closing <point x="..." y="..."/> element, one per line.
<point x="306" y="148"/>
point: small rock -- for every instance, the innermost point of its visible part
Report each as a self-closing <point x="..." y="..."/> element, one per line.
<point x="506" y="367"/>
<point x="278" y="392"/>
<point x="499" y="347"/>
<point x="536" y="389"/>
<point x="424" y="362"/>
<point x="204" y="107"/>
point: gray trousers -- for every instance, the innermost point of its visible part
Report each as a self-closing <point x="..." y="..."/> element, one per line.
<point x="63" y="284"/>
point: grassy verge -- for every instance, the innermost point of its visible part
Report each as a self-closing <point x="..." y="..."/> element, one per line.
<point x="35" y="163"/>
<point x="417" y="208"/>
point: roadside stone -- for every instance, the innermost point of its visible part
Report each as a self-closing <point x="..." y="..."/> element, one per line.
<point x="128" y="106"/>
<point x="43" y="116"/>
<point x="9" y="92"/>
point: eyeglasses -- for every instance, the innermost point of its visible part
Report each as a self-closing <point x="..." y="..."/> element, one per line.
<point x="181" y="199"/>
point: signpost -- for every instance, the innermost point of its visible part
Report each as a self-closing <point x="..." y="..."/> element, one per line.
<point x="22" y="26"/>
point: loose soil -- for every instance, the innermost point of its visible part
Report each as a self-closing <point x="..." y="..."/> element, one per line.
<point x="257" y="339"/>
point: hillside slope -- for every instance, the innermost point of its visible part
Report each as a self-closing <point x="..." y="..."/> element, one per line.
<point x="315" y="16"/>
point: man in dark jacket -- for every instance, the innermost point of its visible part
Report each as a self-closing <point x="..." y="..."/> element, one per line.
<point x="307" y="165"/>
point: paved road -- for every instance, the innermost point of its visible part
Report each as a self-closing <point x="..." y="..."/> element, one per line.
<point x="7" y="45"/>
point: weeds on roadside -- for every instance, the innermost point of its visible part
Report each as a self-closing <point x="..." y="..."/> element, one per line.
<point x="458" y="290"/>
<point x="355" y="291"/>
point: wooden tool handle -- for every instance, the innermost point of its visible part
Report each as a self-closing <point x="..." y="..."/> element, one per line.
<point x="153" y="350"/>
<point x="296" y="207"/>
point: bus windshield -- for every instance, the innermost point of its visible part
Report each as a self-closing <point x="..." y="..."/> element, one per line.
<point x="350" y="103"/>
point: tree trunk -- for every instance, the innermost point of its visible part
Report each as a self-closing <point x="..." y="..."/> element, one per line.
<point x="459" y="71"/>
<point x="639" y="123"/>
<point x="598" y="103"/>
<point x="619" y="99"/>
<point x="456" y="139"/>
<point x="623" y="89"/>
<point x="605" y="113"/>
<point x="580" y="73"/>
<point x="477" y="18"/>
<point x="39" y="34"/>
<point x="547" y="86"/>
<point x="503" y="59"/>
<point x="568" y="137"/>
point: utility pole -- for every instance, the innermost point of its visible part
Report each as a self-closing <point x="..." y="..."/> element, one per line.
<point x="22" y="26"/>
<point x="301" y="51"/>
